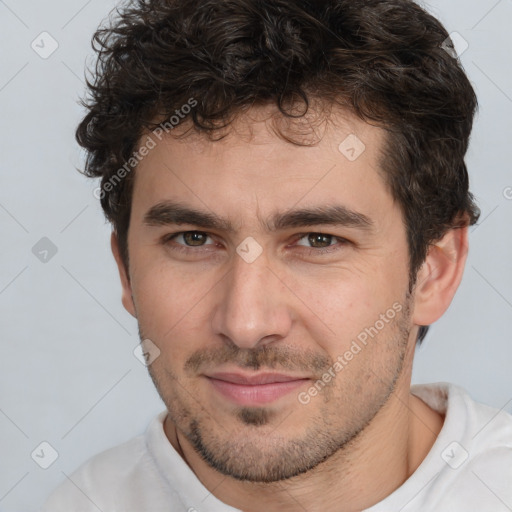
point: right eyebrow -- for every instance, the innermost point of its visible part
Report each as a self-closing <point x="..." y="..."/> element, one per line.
<point x="168" y="212"/>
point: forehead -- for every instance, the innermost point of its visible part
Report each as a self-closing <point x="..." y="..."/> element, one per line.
<point x="320" y="127"/>
<point x="264" y="161"/>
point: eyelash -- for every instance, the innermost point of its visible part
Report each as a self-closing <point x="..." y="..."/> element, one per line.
<point x="309" y="250"/>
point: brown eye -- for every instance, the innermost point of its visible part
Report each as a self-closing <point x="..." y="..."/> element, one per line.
<point x="316" y="240"/>
<point x="195" y="238"/>
<point x="319" y="240"/>
<point x="320" y="243"/>
<point x="188" y="239"/>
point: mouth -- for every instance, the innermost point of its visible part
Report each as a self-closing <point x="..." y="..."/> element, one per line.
<point x="257" y="389"/>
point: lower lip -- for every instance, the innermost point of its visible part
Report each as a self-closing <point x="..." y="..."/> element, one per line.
<point x="244" y="394"/>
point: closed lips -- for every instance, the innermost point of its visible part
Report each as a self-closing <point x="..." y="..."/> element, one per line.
<point x="255" y="380"/>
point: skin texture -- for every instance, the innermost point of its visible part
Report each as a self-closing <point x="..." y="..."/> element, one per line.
<point x="292" y="310"/>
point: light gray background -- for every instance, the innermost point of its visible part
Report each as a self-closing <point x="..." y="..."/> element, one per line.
<point x="68" y="375"/>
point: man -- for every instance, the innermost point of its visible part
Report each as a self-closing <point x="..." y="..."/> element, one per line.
<point x="290" y="210"/>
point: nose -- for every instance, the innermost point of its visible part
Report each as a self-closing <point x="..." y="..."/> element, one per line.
<point x="253" y="307"/>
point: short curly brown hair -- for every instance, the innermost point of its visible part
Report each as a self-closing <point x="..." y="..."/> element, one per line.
<point x="386" y="61"/>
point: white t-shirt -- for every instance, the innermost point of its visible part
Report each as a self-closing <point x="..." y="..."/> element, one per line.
<point x="469" y="468"/>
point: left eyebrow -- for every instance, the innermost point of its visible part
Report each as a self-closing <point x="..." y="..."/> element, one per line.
<point x="169" y="212"/>
<point x="336" y="215"/>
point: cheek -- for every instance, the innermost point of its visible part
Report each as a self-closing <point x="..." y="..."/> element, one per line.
<point x="344" y="305"/>
<point x="172" y="305"/>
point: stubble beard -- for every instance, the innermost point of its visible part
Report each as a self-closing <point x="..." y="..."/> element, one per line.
<point x="251" y="448"/>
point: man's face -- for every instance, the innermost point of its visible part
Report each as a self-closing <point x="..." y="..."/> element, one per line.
<point x="270" y="362"/>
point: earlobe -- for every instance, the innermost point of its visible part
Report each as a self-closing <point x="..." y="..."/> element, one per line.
<point x="127" y="298"/>
<point x="440" y="276"/>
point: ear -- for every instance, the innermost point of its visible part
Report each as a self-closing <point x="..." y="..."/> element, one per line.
<point x="440" y="276"/>
<point x="127" y="297"/>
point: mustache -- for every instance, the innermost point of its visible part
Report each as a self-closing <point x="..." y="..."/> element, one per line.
<point x="260" y="357"/>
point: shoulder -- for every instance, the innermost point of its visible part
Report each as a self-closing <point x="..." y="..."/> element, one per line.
<point x="95" y="483"/>
<point x="478" y="427"/>
<point x="471" y="461"/>
<point x="485" y="471"/>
